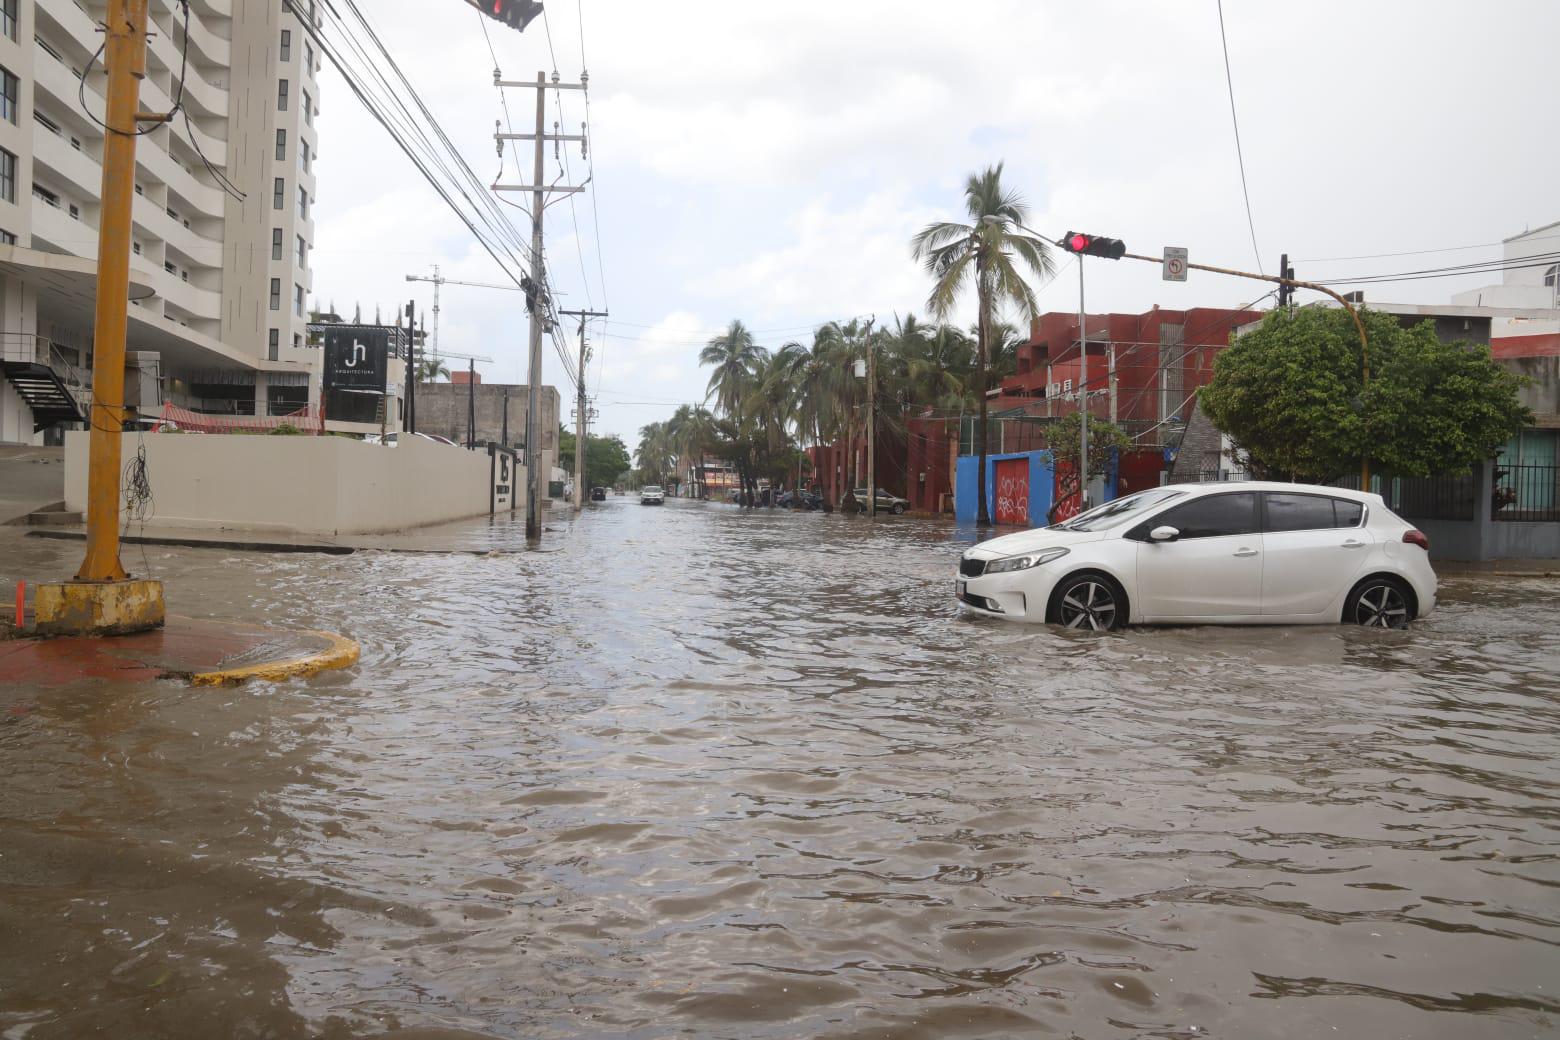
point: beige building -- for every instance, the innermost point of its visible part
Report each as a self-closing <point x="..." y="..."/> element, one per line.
<point x="220" y="272"/>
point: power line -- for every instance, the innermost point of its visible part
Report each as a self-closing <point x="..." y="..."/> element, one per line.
<point x="1453" y="271"/>
<point x="1229" y="82"/>
<point x="1418" y="252"/>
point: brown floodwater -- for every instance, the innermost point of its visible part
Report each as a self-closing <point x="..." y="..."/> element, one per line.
<point x="693" y="773"/>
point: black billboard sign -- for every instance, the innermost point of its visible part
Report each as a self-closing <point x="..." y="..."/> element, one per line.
<point x="357" y="358"/>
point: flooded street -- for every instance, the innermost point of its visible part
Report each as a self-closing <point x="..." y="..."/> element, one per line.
<point x="694" y="773"/>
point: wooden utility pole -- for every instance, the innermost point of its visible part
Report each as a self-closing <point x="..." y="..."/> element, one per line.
<point x="536" y="294"/>
<point x="581" y="410"/>
<point x="871" y="422"/>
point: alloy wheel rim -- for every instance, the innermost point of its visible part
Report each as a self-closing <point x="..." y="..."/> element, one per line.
<point x="1089" y="605"/>
<point x="1381" y="606"/>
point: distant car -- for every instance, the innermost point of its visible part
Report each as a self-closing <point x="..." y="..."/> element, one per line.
<point x="652" y="495"/>
<point x="799" y="500"/>
<point x="1246" y="553"/>
<point x="598" y="494"/>
<point x="885" y="501"/>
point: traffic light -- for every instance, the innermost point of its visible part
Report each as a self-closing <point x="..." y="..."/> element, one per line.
<point x="1094" y="245"/>
<point x="517" y="14"/>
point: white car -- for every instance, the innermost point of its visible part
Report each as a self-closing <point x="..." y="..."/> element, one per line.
<point x="1244" y="553"/>
<point x="652" y="495"/>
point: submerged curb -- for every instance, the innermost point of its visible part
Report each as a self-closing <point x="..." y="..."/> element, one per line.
<point x="341" y="653"/>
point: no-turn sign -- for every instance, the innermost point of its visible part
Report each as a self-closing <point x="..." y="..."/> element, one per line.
<point x="1175" y="264"/>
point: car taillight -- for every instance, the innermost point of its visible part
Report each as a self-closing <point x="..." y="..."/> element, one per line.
<point x="1418" y="538"/>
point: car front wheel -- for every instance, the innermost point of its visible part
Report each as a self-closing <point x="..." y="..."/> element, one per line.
<point x="1089" y="601"/>
<point x="898" y="508"/>
<point x="1380" y="602"/>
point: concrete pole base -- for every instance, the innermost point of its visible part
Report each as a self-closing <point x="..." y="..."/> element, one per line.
<point x="101" y="608"/>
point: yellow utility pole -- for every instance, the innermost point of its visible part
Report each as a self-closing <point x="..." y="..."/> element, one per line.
<point x="102" y="598"/>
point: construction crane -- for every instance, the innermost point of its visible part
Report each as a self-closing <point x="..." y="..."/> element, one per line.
<point x="439" y="280"/>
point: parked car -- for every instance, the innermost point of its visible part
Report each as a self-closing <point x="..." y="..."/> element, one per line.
<point x="795" y="499"/>
<point x="652" y="495"/>
<point x="1248" y="553"/>
<point x="598" y="494"/>
<point x="886" y="503"/>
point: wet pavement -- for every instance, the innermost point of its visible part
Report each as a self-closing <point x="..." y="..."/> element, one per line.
<point x="688" y="772"/>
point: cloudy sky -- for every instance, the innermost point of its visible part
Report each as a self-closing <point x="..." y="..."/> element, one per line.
<point x="770" y="161"/>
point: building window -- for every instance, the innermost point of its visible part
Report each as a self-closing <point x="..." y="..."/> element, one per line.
<point x="281" y="95"/>
<point x="168" y="265"/>
<point x="135" y="247"/>
<point x="1549" y="275"/>
<point x="10" y="90"/>
<point x="8" y="18"/>
<point x="7" y="239"/>
<point x="276" y="243"/>
<point x="276" y="294"/>
<point x="276" y="340"/>
<point x="281" y="144"/>
<point x="303" y="203"/>
<point x="297" y="341"/>
<point x="46" y="196"/>
<point x="140" y="190"/>
<point x="279" y="193"/>
<point x="308" y="56"/>
<point x="308" y="109"/>
<point x="7" y="176"/>
<point x="75" y="211"/>
<point x="303" y="154"/>
<point x="287" y="45"/>
<point x="303" y="252"/>
<point x="298" y="299"/>
<point x="44" y="121"/>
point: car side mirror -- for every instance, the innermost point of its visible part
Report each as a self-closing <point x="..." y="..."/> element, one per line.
<point x="1165" y="533"/>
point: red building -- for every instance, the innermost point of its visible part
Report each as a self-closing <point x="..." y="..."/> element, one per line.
<point x="1141" y="367"/>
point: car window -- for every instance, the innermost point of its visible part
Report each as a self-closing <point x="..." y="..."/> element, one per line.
<point x="1347" y="513"/>
<point x="1286" y="512"/>
<point x="1212" y="516"/>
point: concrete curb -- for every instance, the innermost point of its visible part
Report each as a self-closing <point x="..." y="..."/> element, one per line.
<point x="341" y="653"/>
<point x="246" y="545"/>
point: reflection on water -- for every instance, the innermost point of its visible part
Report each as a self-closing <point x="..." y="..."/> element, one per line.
<point x="692" y="773"/>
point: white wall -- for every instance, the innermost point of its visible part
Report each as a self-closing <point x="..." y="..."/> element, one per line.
<point x="297" y="485"/>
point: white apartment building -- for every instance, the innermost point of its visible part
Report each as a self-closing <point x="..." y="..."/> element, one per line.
<point x="219" y="283"/>
<point x="1532" y="287"/>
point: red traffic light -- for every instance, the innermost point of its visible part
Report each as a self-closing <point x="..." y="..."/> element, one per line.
<point x="1094" y="245"/>
<point x="516" y="14"/>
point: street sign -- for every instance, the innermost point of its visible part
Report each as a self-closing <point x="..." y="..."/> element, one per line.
<point x="1175" y="264"/>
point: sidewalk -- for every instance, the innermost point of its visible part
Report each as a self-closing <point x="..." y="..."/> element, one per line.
<point x="205" y="652"/>
<point x="1505" y="568"/>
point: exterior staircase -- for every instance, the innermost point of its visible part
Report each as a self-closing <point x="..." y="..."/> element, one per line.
<point x="45" y="392"/>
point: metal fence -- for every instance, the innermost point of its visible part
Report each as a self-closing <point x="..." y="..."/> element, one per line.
<point x="1526" y="493"/>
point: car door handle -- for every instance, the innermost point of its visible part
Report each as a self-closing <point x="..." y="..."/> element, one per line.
<point x="1353" y="544"/>
<point x="1245" y="552"/>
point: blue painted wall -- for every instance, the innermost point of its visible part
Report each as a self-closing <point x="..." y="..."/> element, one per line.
<point x="1041" y="481"/>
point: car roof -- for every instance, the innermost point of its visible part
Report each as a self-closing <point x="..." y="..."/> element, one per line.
<point x="1212" y="487"/>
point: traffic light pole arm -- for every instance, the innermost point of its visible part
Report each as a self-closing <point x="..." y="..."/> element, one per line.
<point x="1296" y="284"/>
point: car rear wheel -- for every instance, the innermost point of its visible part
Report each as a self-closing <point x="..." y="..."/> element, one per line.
<point x="1380" y="602"/>
<point x="1089" y="601"/>
<point x="899" y="507"/>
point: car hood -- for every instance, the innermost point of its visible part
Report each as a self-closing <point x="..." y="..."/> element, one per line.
<point x="1030" y="541"/>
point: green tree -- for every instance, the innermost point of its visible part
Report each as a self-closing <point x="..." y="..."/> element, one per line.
<point x="1063" y="437"/>
<point x="735" y="356"/>
<point x="1291" y="394"/>
<point x="605" y="457"/>
<point x="430" y="369"/>
<point x="983" y="252"/>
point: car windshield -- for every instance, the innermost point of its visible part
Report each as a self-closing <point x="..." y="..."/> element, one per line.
<point x="1112" y="513"/>
<point x="652" y="489"/>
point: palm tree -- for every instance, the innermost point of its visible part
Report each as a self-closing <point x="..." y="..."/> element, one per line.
<point x="693" y="433"/>
<point x="987" y="245"/>
<point x="431" y="368"/>
<point x="734" y="355"/>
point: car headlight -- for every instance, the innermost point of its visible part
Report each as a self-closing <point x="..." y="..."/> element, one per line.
<point x="1024" y="562"/>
